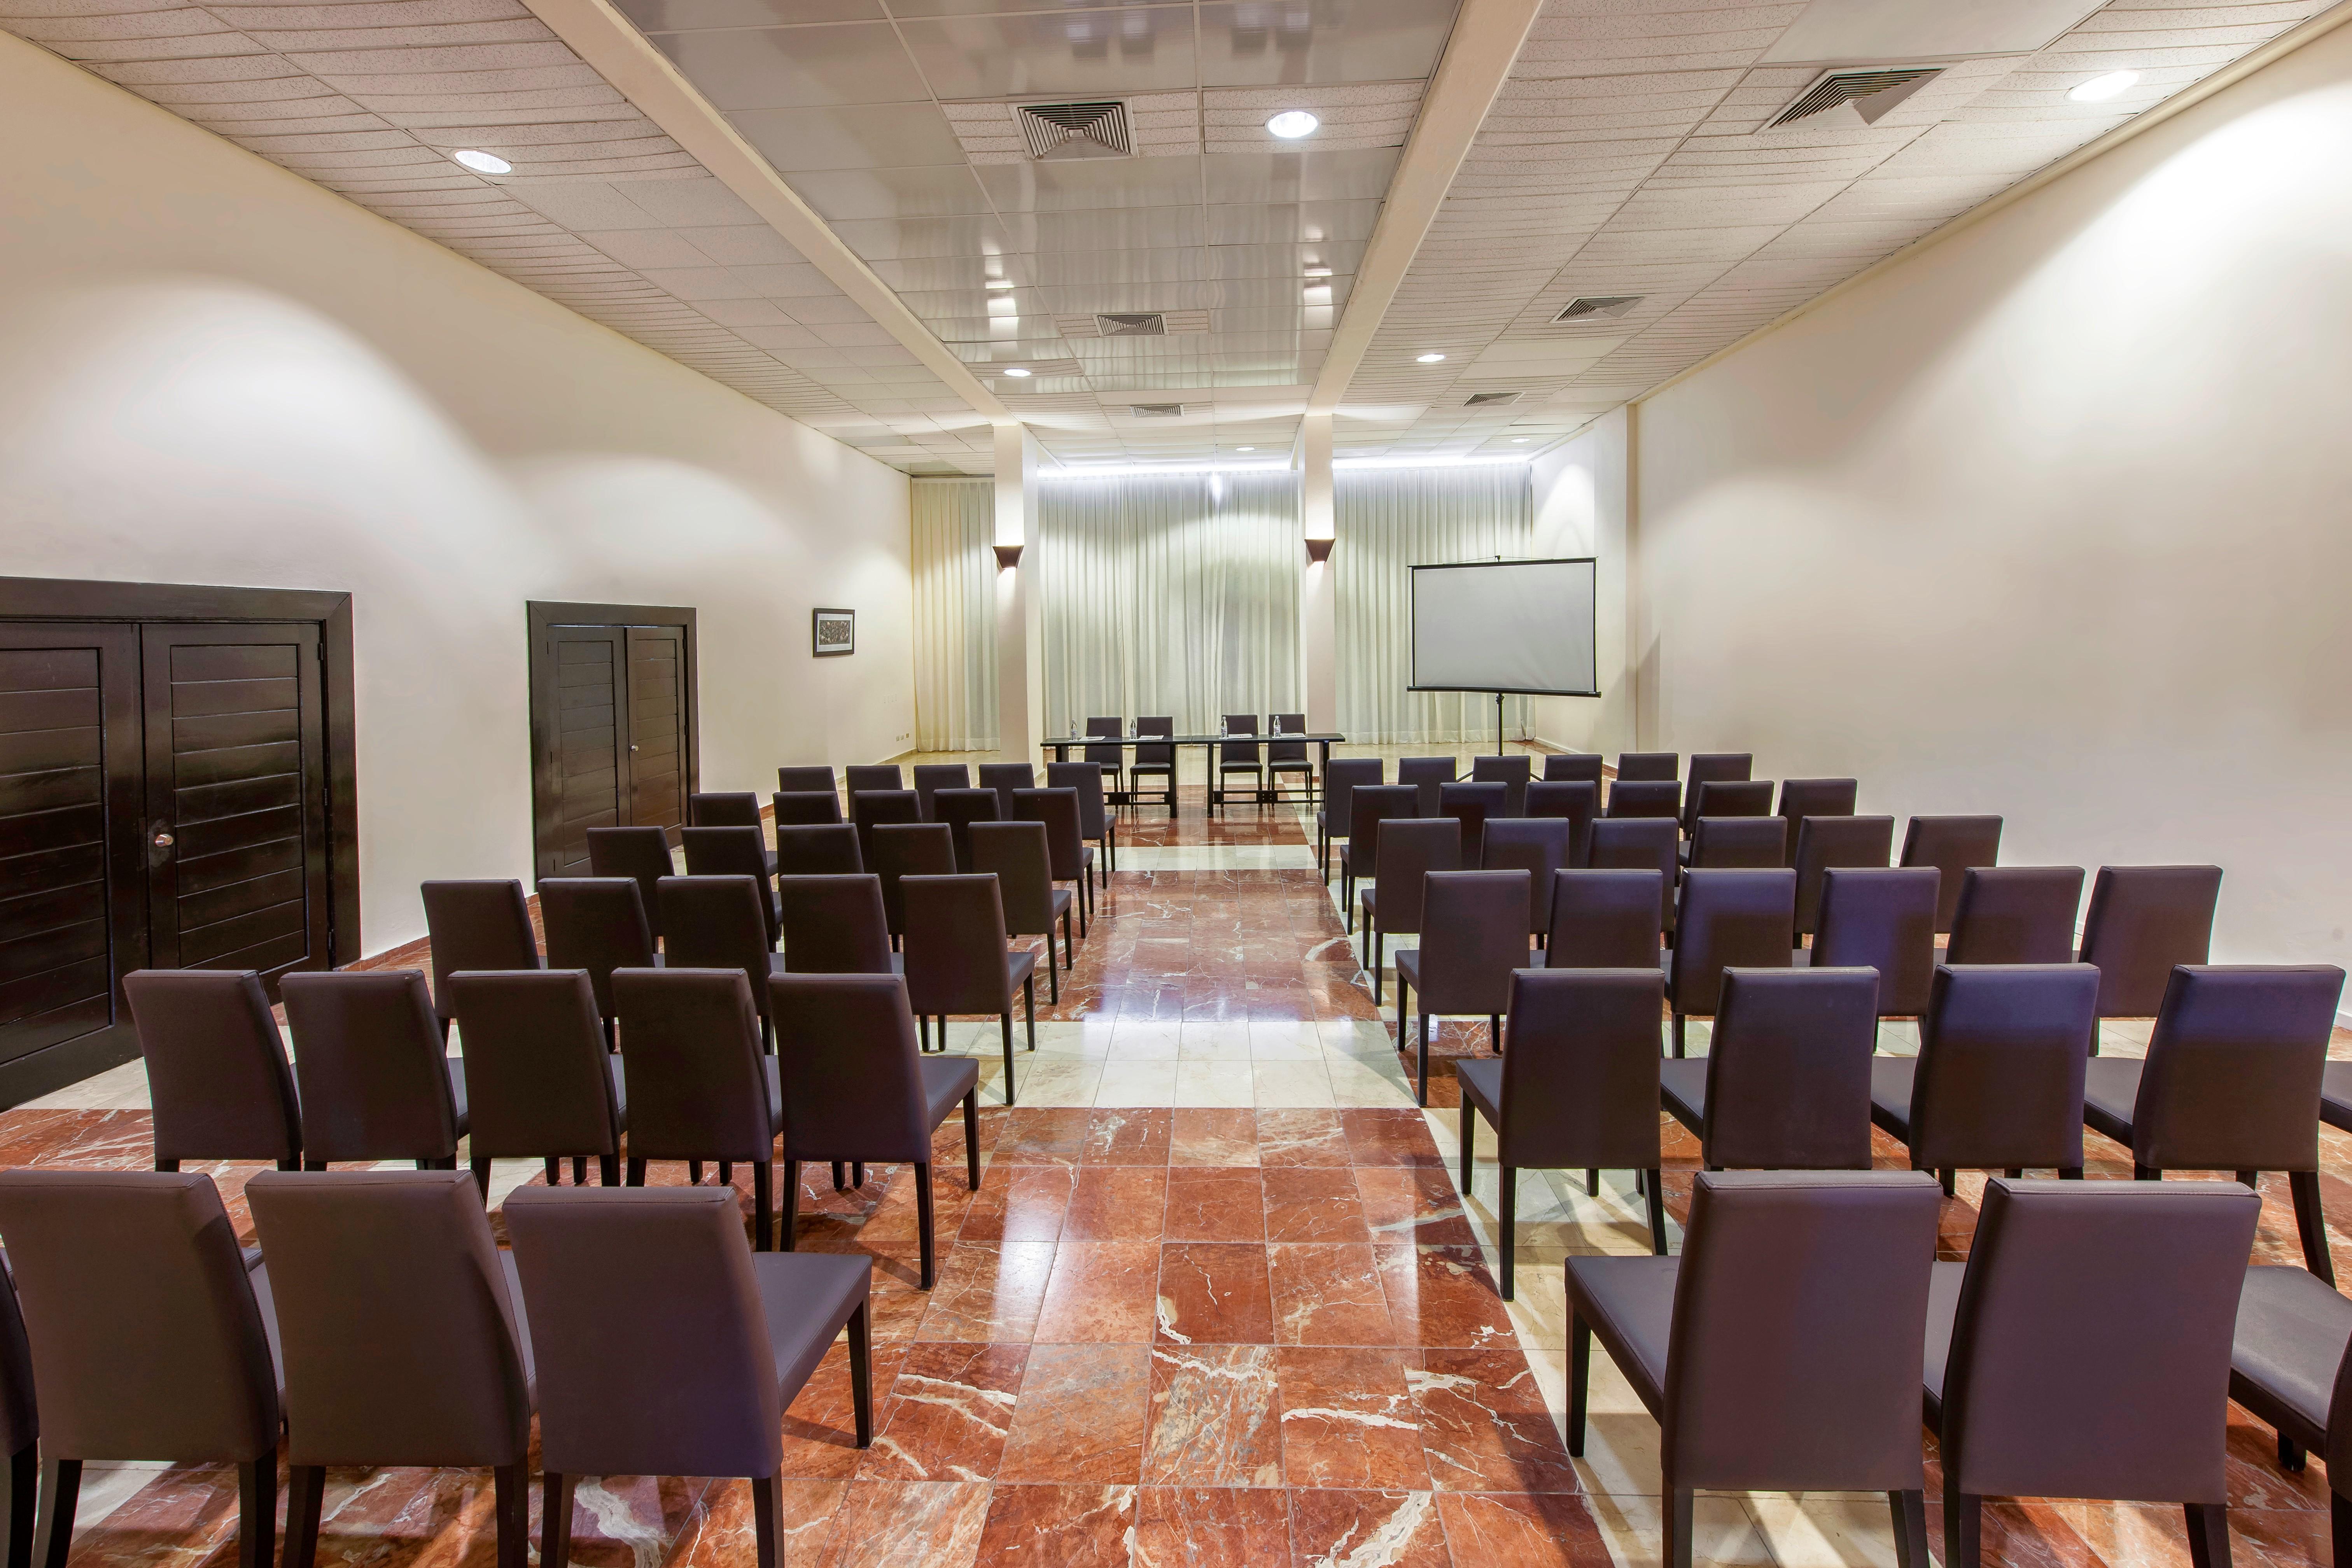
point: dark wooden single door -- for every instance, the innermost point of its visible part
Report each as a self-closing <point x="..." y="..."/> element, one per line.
<point x="657" y="739"/>
<point x="591" y="735"/>
<point x="612" y="719"/>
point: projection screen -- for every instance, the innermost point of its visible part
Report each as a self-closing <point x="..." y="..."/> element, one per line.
<point x="1523" y="627"/>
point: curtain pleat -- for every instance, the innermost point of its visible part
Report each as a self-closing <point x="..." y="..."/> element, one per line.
<point x="953" y="524"/>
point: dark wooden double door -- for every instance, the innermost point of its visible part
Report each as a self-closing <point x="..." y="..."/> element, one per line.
<point x="163" y="805"/>
<point x="613" y="728"/>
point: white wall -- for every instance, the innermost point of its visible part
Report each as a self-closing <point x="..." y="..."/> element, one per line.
<point x="212" y="371"/>
<point x="2050" y="520"/>
<point x="1581" y="510"/>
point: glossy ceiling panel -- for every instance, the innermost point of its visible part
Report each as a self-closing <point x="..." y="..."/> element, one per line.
<point x="850" y="136"/>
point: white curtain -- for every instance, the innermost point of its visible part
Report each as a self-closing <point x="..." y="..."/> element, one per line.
<point x="1392" y="519"/>
<point x="1170" y="594"/>
<point x="953" y="524"/>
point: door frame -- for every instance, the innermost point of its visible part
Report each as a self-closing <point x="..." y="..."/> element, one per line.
<point x="541" y="616"/>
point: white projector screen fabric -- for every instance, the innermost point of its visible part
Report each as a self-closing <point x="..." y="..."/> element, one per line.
<point x="1521" y="626"/>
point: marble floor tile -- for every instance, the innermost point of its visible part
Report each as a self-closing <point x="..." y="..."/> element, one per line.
<point x="1064" y="1526"/>
<point x="1214" y="1420"/>
<point x="1083" y="1416"/>
<point x="1214" y="1292"/>
<point x="1213" y="1202"/>
<point x="1137" y="1082"/>
<point x="1349" y="1419"/>
<point x="1338" y="1528"/>
<point x="1284" y="1085"/>
<point x="1212" y="1527"/>
<point x="1215" y="1082"/>
<point x="949" y="1409"/>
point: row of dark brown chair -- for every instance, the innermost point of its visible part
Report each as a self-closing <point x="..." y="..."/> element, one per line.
<point x="1265" y="763"/>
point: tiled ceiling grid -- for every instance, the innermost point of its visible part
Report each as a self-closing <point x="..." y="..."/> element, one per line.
<point x="604" y="213"/>
<point x="1628" y="156"/>
<point x="896" y="120"/>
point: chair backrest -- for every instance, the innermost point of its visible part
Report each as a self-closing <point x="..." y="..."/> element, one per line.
<point x="1727" y="797"/>
<point x="1085" y="780"/>
<point x="959" y="809"/>
<point x="2103" y="1396"/>
<point x="690" y="1052"/>
<point x="1604" y="920"/>
<point x="806" y="807"/>
<point x="140" y="1324"/>
<point x="1239" y="754"/>
<point x="476" y="925"/>
<point x="597" y="924"/>
<point x="538" y="1080"/>
<point x="1286" y="751"/>
<point x="1579" y="767"/>
<point x="1743" y="919"/>
<point x="719" y="923"/>
<point x="1006" y="779"/>
<point x="1648" y="767"/>
<point x="2142" y="922"/>
<point x="723" y="809"/>
<point x="1951" y="844"/>
<point x="1536" y="845"/>
<point x="819" y="849"/>
<point x="909" y="849"/>
<point x="1721" y="767"/>
<point x="1110" y="757"/>
<point x="1788" y="1071"/>
<point x="1800" y="1304"/>
<point x="1801" y="798"/>
<point x="1511" y="771"/>
<point x="1826" y="841"/>
<point x="730" y="852"/>
<point x="216" y="1069"/>
<point x="2016" y="914"/>
<point x="1064" y="817"/>
<point x="1017" y="855"/>
<point x="1474" y="935"/>
<point x="1156" y="756"/>
<point x="1471" y="805"/>
<point x="933" y="777"/>
<point x="2231" y="1081"/>
<point x="1575" y="801"/>
<point x="1646" y="797"/>
<point x="1410" y="848"/>
<point x="955" y="945"/>
<point x="835" y="925"/>
<point x="806" y="780"/>
<point x="1882" y="918"/>
<point x="870" y="809"/>
<point x="1368" y="806"/>
<point x="1427" y="775"/>
<point x="847" y="1057"/>
<point x="1341" y="782"/>
<point x="1756" y="842"/>
<point x="370" y="1066"/>
<point x="861" y="777"/>
<point x="402" y="1340"/>
<point x="2002" y="1055"/>
<point x="641" y="854"/>
<point x="1580" y="1078"/>
<point x="650" y="1332"/>
<point x="1640" y="843"/>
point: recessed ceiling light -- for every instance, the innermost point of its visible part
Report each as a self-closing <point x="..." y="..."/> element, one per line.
<point x="482" y="163"/>
<point x="1428" y="359"/>
<point x="1319" y="272"/>
<point x="2100" y="89"/>
<point x="998" y="283"/>
<point x="1018" y="371"/>
<point x="1246" y="449"/>
<point x="1293" y="123"/>
<point x="1519" y="440"/>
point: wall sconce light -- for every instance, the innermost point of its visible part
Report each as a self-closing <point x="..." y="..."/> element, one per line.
<point x="1007" y="555"/>
<point x="1319" y="549"/>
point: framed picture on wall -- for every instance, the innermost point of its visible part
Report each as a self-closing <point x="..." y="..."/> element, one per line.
<point x="833" y="632"/>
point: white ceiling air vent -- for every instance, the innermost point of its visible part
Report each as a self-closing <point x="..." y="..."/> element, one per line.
<point x="1489" y="399"/>
<point x="1075" y="129"/>
<point x="1156" y="410"/>
<point x="1597" y="307"/>
<point x="1872" y="89"/>
<point x="1132" y="323"/>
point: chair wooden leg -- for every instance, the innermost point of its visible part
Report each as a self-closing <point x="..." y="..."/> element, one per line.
<point x="1053" y="973"/>
<point x="694" y="1173"/>
<point x="2209" y="1534"/>
<point x="1950" y="1180"/>
<point x="1910" y="1510"/>
<point x="1421" y="1087"/>
<point x="1963" y="1527"/>
<point x="2069" y="1173"/>
<point x="726" y="1172"/>
<point x="2145" y="1173"/>
<point x="767" y="1522"/>
<point x="1495" y="1033"/>
<point x="61" y="1490"/>
<point x="608" y="1169"/>
<point x="792" y="1206"/>
<point x="1655" y="1191"/>
<point x="2310" y="1224"/>
<point x="2291" y="1457"/>
<point x="923" y="1032"/>
<point x="257" y="1512"/>
<point x="924" y="1222"/>
<point x="167" y="1166"/>
<point x="306" y="1492"/>
<point x="1348" y="899"/>
<point x="1029" y="1016"/>
<point x="1380" y="943"/>
<point x="2339" y="1526"/>
<point x="1469" y="1136"/>
<point x="840" y="1176"/>
<point x="1006" y="1020"/>
<point x="861" y="1373"/>
<point x="1677" y="1522"/>
<point x="1592" y="1183"/>
<point x="1579" y="1370"/>
<point x="554" y="1520"/>
<point x="23" y="1482"/>
<point x="482" y="1178"/>
<point x="763" y="1204"/>
<point x="972" y="1140"/>
<point x="636" y="1171"/>
<point x="2014" y="1173"/>
<point x="857" y="1174"/>
<point x="555" y="1170"/>
<point x="1506" y="1230"/>
<point x="1679" y="1041"/>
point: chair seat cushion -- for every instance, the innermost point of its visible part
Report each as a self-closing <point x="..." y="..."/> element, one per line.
<point x="457" y="1092"/>
<point x="1408" y="966"/>
<point x="620" y="1089"/>
<point x="1943" y="1307"/>
<point x="807" y="1296"/>
<point x="2110" y="1090"/>
<point x="2292" y="1331"/>
<point x="1890" y="1092"/>
<point x="1368" y="897"/>
<point x="775" y="1092"/>
<point x="1061" y="902"/>
<point x="2336" y="1095"/>
<point x="1018" y="966"/>
<point x="1682" y="1089"/>
<point x="946" y="1080"/>
<point x="1482" y="1086"/>
<point x="1629" y="1304"/>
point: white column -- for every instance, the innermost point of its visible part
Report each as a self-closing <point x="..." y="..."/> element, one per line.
<point x="1020" y="670"/>
<point x="1319" y="604"/>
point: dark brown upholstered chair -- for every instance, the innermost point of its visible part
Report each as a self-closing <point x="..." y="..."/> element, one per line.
<point x="1726" y="767"/>
<point x="805" y="780"/>
<point x="1779" y="1351"/>
<point x="1473" y="936"/>
<point x="1577" y="1089"/>
<point x="641" y="854"/>
<point x="2103" y="1397"/>
<point x="1579" y="767"/>
<point x="871" y="808"/>
<point x="1881" y="918"/>
<point x="216" y="1069"/>
<point x="1005" y="778"/>
<point x="1639" y="844"/>
<point x="2015" y="914"/>
<point x="2230" y="1082"/>
<point x="1238" y="757"/>
<point x="1428" y="776"/>
<point x="805" y="808"/>
<point x="375" y="1079"/>
<point x="1997" y="1082"/>
<point x="1575" y="802"/>
<point x="1649" y="767"/>
<point x="958" y="810"/>
<point x="1287" y="756"/>
<point x="733" y="852"/>
<point x="1726" y="797"/>
<point x="20" y="1428"/>
<point x="1334" y="818"/>
<point x="933" y="777"/>
<point x="1604" y="920"/>
<point x="835" y="925"/>
<point x="1016" y="854"/>
<point x="1536" y="845"/>
<point x="1410" y="848"/>
<point x="700" y="1087"/>
<point x="1098" y="826"/>
<point x="598" y="924"/>
<point x="1786" y="1082"/>
<point x="909" y="849"/>
<point x="665" y="1347"/>
<point x="402" y="1341"/>
<point x="1801" y="798"/>
<point x="2288" y="1366"/>
<point x="1063" y="816"/>
<point x="1514" y="773"/>
<point x="1752" y="843"/>
<point x="1471" y="805"/>
<point x="2143" y="921"/>
<point x="1727" y="920"/>
<point x="861" y="778"/>
<point x="1647" y="797"/>
<point x="958" y="961"/>
<point x="713" y="925"/>
<point x="819" y="849"/>
<point x="1153" y="762"/>
<point x="143" y="1340"/>
<point x="1825" y="842"/>
<point x="539" y="1084"/>
<point x="2336" y="1100"/>
<point x="857" y="1088"/>
<point x="1111" y="759"/>
<point x="1368" y="806"/>
<point x="476" y="925"/>
<point x="724" y="810"/>
<point x="1952" y="844"/>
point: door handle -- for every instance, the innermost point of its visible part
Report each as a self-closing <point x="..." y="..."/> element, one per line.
<point x="162" y="841"/>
